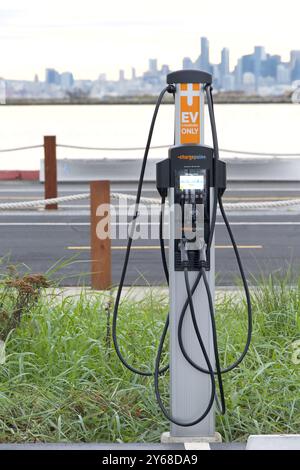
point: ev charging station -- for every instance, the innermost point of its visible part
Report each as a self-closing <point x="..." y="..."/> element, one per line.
<point x="190" y="187"/>
<point x="193" y="179"/>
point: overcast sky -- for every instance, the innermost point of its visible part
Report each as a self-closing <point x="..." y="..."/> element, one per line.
<point x="94" y="36"/>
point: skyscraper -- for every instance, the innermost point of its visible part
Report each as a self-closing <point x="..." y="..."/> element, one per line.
<point x="269" y="66"/>
<point x="283" y="76"/>
<point x="67" y="80"/>
<point x="238" y="75"/>
<point x="204" y="61"/>
<point x="296" y="70"/>
<point x="294" y="56"/>
<point x="165" y="69"/>
<point x="259" y="56"/>
<point x="295" y="65"/>
<point x="187" y="63"/>
<point x="52" y="77"/>
<point x="225" y="61"/>
<point x="153" y="65"/>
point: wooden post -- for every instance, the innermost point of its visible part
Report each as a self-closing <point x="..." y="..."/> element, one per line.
<point x="50" y="169"/>
<point x="100" y="247"/>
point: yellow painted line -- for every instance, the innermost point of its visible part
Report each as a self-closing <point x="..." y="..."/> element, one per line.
<point x="157" y="247"/>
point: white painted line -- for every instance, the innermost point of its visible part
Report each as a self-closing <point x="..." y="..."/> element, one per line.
<point x="74" y="224"/>
<point x="74" y="206"/>
<point x="196" y="446"/>
<point x="260" y="223"/>
<point x="47" y="224"/>
<point x="157" y="247"/>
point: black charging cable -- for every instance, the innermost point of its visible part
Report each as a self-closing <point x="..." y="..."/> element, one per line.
<point x="208" y="363"/>
<point x="189" y="301"/>
<point x="218" y="199"/>
<point x="167" y="89"/>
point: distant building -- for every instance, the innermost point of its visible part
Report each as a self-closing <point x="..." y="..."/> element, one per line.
<point x="204" y="61"/>
<point x="238" y="75"/>
<point x="269" y="66"/>
<point x="247" y="63"/>
<point x="259" y="56"/>
<point x="294" y="56"/>
<point x="283" y="75"/>
<point x="52" y="77"/>
<point x="165" y="69"/>
<point x="153" y="65"/>
<point x="228" y="82"/>
<point x="215" y="71"/>
<point x="294" y="64"/>
<point x="66" y="80"/>
<point x="2" y="91"/>
<point x="295" y="74"/>
<point x="187" y="63"/>
<point x="225" y="61"/>
<point x="249" y="84"/>
<point x="121" y="75"/>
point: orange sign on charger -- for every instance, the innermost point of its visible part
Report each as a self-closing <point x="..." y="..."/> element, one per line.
<point x="189" y="113"/>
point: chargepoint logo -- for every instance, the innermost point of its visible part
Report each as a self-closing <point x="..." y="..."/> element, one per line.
<point x="189" y="113"/>
<point x="187" y="157"/>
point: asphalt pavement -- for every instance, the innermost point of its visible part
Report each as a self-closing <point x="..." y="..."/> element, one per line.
<point x="40" y="240"/>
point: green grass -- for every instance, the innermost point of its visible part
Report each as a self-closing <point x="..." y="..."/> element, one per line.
<point x="62" y="381"/>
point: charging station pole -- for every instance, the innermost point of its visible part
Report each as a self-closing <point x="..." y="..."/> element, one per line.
<point x="194" y="180"/>
<point x="190" y="390"/>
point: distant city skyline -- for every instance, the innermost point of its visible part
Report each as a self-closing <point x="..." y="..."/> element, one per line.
<point x="74" y="35"/>
<point x="257" y="72"/>
<point x="259" y="62"/>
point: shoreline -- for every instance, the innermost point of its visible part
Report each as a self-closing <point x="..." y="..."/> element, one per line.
<point x="218" y="99"/>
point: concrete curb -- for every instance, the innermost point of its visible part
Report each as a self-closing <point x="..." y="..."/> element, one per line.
<point x="101" y="446"/>
<point x="250" y="169"/>
<point x="134" y="293"/>
<point x="274" y="442"/>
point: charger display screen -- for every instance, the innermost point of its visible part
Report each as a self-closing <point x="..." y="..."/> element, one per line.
<point x="191" y="182"/>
